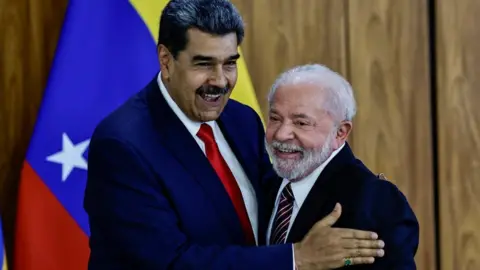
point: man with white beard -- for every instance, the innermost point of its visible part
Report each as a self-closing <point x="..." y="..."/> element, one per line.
<point x="310" y="117"/>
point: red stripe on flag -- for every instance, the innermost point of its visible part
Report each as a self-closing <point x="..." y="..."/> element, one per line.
<point x="47" y="237"/>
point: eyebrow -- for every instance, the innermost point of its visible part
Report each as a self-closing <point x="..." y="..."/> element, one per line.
<point x="294" y="115"/>
<point x="301" y="115"/>
<point x="272" y="110"/>
<point x="200" y="58"/>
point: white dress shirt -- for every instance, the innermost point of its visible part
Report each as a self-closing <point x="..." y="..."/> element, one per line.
<point x="246" y="188"/>
<point x="300" y="191"/>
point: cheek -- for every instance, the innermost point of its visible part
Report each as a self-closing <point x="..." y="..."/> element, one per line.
<point x="311" y="140"/>
<point x="231" y="78"/>
<point x="192" y="82"/>
<point x="269" y="132"/>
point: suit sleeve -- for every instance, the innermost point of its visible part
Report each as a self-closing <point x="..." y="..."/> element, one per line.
<point x="133" y="225"/>
<point x="397" y="227"/>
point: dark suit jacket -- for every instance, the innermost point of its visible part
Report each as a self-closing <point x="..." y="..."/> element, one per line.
<point x="155" y="202"/>
<point x="368" y="203"/>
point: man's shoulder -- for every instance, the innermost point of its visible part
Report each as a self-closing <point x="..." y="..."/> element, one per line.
<point x="372" y="182"/>
<point x="243" y="119"/>
<point x="127" y="119"/>
<point x="379" y="195"/>
<point x="238" y="110"/>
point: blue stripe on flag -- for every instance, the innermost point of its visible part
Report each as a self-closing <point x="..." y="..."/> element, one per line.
<point x="105" y="54"/>
<point x="2" y="247"/>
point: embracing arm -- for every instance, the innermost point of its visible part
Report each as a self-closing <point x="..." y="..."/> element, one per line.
<point x="133" y="225"/>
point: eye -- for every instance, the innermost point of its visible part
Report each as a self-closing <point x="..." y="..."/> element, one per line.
<point x="274" y="118"/>
<point x="203" y="64"/>
<point x="302" y="123"/>
<point x="230" y="65"/>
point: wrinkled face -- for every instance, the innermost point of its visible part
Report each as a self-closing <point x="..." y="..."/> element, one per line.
<point x="200" y="80"/>
<point x="300" y="134"/>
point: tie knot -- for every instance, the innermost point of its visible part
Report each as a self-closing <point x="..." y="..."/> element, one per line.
<point x="287" y="193"/>
<point x="206" y="134"/>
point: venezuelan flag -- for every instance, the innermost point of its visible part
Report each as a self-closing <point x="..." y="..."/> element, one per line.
<point x="3" y="258"/>
<point x="106" y="53"/>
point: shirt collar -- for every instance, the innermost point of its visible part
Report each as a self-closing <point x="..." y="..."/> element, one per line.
<point x="192" y="126"/>
<point x="302" y="187"/>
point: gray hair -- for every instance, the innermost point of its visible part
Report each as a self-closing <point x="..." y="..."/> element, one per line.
<point x="340" y="101"/>
<point x="216" y="17"/>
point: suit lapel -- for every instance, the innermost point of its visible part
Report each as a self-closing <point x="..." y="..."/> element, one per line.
<point x="236" y="138"/>
<point x="185" y="149"/>
<point x="271" y="196"/>
<point x="315" y="205"/>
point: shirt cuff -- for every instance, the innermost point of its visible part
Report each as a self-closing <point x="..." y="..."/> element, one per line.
<point x="293" y="258"/>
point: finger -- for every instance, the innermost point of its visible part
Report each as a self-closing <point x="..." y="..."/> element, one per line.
<point x="365" y="253"/>
<point x="356" y="234"/>
<point x="356" y="243"/>
<point x="349" y="261"/>
<point x="362" y="260"/>
<point x="329" y="220"/>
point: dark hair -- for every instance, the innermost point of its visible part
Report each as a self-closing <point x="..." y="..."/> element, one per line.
<point x="217" y="17"/>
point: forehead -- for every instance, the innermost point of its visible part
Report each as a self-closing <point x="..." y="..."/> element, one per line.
<point x="299" y="98"/>
<point x="205" y="44"/>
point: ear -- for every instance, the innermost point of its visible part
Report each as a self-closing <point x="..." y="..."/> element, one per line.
<point x="343" y="131"/>
<point x="166" y="61"/>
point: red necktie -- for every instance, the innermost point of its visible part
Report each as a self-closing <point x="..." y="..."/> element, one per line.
<point x="223" y="171"/>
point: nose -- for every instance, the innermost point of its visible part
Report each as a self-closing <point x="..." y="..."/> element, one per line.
<point x="284" y="132"/>
<point x="218" y="78"/>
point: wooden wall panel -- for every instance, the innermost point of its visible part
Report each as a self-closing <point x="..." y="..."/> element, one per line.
<point x="389" y="70"/>
<point x="458" y="96"/>
<point x="380" y="45"/>
<point x="282" y="33"/>
<point x="28" y="33"/>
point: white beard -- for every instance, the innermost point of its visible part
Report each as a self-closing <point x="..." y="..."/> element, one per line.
<point x="295" y="170"/>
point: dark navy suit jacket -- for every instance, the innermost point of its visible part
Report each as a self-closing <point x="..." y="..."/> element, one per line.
<point x="155" y="202"/>
<point x="368" y="203"/>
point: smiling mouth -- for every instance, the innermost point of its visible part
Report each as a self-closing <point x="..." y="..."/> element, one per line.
<point x="210" y="98"/>
<point x="287" y="153"/>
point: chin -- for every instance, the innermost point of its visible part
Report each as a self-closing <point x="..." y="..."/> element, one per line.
<point x="209" y="116"/>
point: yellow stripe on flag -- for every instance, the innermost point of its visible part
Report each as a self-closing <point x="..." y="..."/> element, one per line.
<point x="3" y="259"/>
<point x="4" y="266"/>
<point x="243" y="92"/>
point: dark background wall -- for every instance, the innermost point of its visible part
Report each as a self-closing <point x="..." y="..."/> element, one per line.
<point x="414" y="65"/>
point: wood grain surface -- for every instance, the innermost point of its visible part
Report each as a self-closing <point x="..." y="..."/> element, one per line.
<point x="29" y="32"/>
<point x="458" y="108"/>
<point x="281" y="34"/>
<point x="381" y="46"/>
<point x="389" y="69"/>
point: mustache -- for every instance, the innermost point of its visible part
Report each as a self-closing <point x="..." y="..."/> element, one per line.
<point x="212" y="90"/>
<point x="286" y="146"/>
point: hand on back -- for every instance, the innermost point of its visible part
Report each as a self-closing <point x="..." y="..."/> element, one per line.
<point x="325" y="247"/>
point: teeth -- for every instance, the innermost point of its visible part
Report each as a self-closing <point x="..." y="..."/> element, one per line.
<point x="211" y="96"/>
<point x="287" y="150"/>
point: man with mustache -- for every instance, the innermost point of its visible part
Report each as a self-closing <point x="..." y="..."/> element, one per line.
<point x="177" y="174"/>
<point x="310" y="117"/>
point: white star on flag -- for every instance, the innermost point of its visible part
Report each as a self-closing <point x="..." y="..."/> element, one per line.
<point x="70" y="157"/>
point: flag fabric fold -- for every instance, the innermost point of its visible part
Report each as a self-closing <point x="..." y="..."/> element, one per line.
<point x="106" y="53"/>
